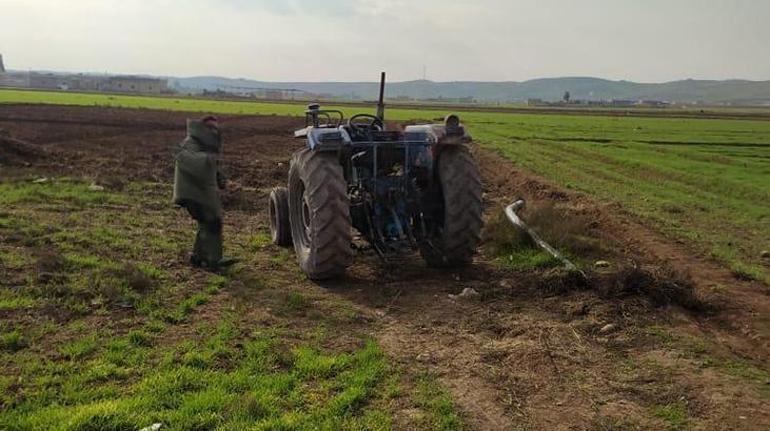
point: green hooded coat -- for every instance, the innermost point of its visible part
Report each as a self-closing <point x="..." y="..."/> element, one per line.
<point x="196" y="181"/>
<point x="196" y="174"/>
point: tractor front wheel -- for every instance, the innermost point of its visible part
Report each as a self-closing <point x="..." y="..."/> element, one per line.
<point x="319" y="214"/>
<point x="454" y="226"/>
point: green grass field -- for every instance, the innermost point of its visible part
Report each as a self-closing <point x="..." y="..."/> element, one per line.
<point x="186" y="355"/>
<point x="703" y="181"/>
<point x="105" y="327"/>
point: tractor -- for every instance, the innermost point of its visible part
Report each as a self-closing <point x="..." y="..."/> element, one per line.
<point x="413" y="189"/>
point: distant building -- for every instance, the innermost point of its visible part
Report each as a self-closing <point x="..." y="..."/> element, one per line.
<point x="81" y="82"/>
<point x="279" y="93"/>
<point x="622" y="102"/>
<point x="135" y="84"/>
<point x="654" y="103"/>
<point x="275" y="94"/>
<point x="228" y="91"/>
<point x="12" y="79"/>
<point x="48" y="81"/>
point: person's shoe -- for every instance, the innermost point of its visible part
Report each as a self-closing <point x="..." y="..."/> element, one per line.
<point x="223" y="264"/>
<point x="226" y="262"/>
<point x="195" y="261"/>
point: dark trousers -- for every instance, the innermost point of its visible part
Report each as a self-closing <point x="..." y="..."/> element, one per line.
<point x="208" y="240"/>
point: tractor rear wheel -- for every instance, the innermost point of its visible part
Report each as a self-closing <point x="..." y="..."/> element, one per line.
<point x="319" y="214"/>
<point x="278" y="209"/>
<point x="455" y="226"/>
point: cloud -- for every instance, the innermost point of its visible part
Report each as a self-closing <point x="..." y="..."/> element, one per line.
<point x="326" y="8"/>
<point x="654" y="40"/>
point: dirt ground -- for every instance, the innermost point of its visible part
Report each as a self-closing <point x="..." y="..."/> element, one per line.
<point x="536" y="349"/>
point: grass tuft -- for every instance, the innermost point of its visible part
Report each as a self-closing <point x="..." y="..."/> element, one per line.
<point x="12" y="341"/>
<point x="58" y="192"/>
<point x="675" y="415"/>
<point x="430" y="396"/>
<point x="259" y="241"/>
<point x="79" y="349"/>
<point x="139" y="338"/>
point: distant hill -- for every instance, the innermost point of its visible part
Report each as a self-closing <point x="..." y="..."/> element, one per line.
<point x="550" y="89"/>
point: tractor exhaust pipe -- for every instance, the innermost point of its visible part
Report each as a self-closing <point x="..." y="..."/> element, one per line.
<point x="381" y="101"/>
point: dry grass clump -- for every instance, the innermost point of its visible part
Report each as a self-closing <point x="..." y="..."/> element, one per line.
<point x="662" y="285"/>
<point x="564" y="229"/>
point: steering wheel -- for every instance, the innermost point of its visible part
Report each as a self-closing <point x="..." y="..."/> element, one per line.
<point x="373" y="123"/>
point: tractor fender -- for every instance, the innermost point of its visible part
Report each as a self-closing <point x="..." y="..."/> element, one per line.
<point x="441" y="134"/>
<point x="327" y="139"/>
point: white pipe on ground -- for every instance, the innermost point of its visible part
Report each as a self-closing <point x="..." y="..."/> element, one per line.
<point x="510" y="212"/>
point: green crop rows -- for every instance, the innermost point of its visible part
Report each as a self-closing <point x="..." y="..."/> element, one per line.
<point x="706" y="182"/>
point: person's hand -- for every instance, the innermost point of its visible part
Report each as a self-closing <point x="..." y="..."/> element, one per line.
<point x="221" y="181"/>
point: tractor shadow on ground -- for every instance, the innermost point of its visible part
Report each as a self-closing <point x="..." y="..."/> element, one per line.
<point x="410" y="285"/>
<point x="374" y="283"/>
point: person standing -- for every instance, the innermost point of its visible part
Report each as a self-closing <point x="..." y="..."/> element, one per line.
<point x="197" y="181"/>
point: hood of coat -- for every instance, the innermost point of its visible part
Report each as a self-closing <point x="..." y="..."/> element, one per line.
<point x="207" y="138"/>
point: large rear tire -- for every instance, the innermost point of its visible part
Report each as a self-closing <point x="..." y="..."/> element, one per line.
<point x="455" y="228"/>
<point x="278" y="211"/>
<point x="319" y="214"/>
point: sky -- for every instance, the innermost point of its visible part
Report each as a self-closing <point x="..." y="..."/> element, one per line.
<point x="442" y="40"/>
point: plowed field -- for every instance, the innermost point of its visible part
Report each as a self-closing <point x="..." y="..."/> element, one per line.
<point x="105" y="326"/>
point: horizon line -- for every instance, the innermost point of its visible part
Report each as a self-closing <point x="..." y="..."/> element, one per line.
<point x="377" y="82"/>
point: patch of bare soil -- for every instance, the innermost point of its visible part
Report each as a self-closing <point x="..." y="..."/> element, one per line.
<point x="534" y="349"/>
<point x="120" y="145"/>
<point x="14" y="152"/>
